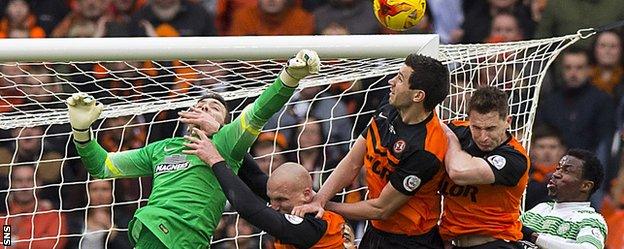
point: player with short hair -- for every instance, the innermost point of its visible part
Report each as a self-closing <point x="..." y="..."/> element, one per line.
<point x="487" y="172"/>
<point x="402" y="152"/>
<point x="289" y="185"/>
<point x="569" y="222"/>
<point x="186" y="202"/>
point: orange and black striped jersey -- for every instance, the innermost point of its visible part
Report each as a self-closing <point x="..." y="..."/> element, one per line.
<point x="410" y="158"/>
<point x="337" y="234"/>
<point x="487" y="209"/>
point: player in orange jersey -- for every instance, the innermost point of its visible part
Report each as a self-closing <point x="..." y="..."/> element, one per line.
<point x="402" y="152"/>
<point x="487" y="175"/>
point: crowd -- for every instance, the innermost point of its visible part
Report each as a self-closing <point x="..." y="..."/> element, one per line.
<point x="581" y="101"/>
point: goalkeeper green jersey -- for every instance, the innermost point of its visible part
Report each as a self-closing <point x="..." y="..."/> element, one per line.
<point x="186" y="202"/>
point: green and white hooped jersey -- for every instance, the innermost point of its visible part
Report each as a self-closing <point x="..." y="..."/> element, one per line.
<point x="573" y="221"/>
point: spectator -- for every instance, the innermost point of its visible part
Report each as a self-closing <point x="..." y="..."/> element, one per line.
<point x="272" y="17"/>
<point x="10" y="97"/>
<point x="565" y="17"/>
<point x="30" y="147"/>
<point x="547" y="148"/>
<point x="316" y="102"/>
<point x="478" y="19"/>
<point x="20" y="22"/>
<point x="102" y="228"/>
<point x="354" y="15"/>
<point x="223" y="10"/>
<point x="268" y="151"/>
<point x="166" y="18"/>
<point x="579" y="110"/>
<point x="48" y="13"/>
<point x="311" y="153"/>
<point x="608" y="71"/>
<point x="447" y="19"/>
<point x="33" y="220"/>
<point x="505" y="28"/>
<point x="119" y="21"/>
<point x="537" y="8"/>
<point x="239" y="232"/>
<point x="40" y="90"/>
<point x="86" y="20"/>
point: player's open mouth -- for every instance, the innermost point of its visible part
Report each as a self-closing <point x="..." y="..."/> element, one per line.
<point x="551" y="183"/>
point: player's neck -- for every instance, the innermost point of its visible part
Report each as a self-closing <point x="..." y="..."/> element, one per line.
<point x="413" y="114"/>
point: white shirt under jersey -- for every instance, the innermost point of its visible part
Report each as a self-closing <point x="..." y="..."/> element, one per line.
<point x="567" y="225"/>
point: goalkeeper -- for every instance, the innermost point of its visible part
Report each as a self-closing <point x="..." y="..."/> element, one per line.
<point x="186" y="202"/>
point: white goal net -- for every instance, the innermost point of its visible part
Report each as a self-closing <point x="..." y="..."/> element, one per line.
<point x="48" y="199"/>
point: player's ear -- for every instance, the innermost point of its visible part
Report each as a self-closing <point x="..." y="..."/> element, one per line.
<point x="308" y="195"/>
<point x="586" y="186"/>
<point x="419" y="96"/>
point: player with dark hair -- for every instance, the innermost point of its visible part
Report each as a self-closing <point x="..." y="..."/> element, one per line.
<point x="569" y="222"/>
<point x="186" y="202"/>
<point x="402" y="151"/>
<point x="487" y="173"/>
<point x="289" y="185"/>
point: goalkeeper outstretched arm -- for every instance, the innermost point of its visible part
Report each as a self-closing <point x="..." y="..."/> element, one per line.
<point x="83" y="111"/>
<point x="235" y="138"/>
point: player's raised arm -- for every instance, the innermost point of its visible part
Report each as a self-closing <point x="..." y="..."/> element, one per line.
<point x="83" y="111"/>
<point x="239" y="135"/>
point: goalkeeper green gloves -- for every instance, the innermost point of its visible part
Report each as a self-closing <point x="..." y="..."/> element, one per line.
<point x="83" y="111"/>
<point x="306" y="62"/>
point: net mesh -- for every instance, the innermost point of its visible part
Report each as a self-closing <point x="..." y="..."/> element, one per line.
<point x="142" y="98"/>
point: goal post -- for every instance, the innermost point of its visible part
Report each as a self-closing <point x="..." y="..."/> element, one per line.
<point x="216" y="48"/>
<point x="144" y="81"/>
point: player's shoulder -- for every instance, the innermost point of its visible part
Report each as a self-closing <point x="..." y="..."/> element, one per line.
<point x="461" y="128"/>
<point x="385" y="112"/>
<point x="590" y="214"/>
<point x="511" y="149"/>
<point x="542" y="208"/>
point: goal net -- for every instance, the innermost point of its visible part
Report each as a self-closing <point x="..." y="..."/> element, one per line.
<point x="47" y="197"/>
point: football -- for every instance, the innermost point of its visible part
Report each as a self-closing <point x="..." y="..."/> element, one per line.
<point x="399" y="15"/>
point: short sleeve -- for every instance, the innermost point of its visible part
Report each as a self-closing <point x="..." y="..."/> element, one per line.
<point x="508" y="165"/>
<point x="414" y="171"/>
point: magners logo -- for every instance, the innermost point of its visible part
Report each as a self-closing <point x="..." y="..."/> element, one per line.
<point x="172" y="163"/>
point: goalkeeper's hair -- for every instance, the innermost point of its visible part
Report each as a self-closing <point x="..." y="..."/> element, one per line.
<point x="487" y="99"/>
<point x="217" y="97"/>
<point x="430" y="76"/>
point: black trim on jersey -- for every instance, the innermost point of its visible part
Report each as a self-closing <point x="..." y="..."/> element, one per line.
<point x="514" y="168"/>
<point x="253" y="177"/>
<point x="304" y="234"/>
<point x="421" y="164"/>
<point x="515" y="162"/>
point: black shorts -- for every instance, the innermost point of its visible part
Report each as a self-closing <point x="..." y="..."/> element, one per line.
<point x="498" y="244"/>
<point x="376" y="239"/>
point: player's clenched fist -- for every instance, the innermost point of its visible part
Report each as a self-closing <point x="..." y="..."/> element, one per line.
<point x="83" y="111"/>
<point x="306" y="62"/>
